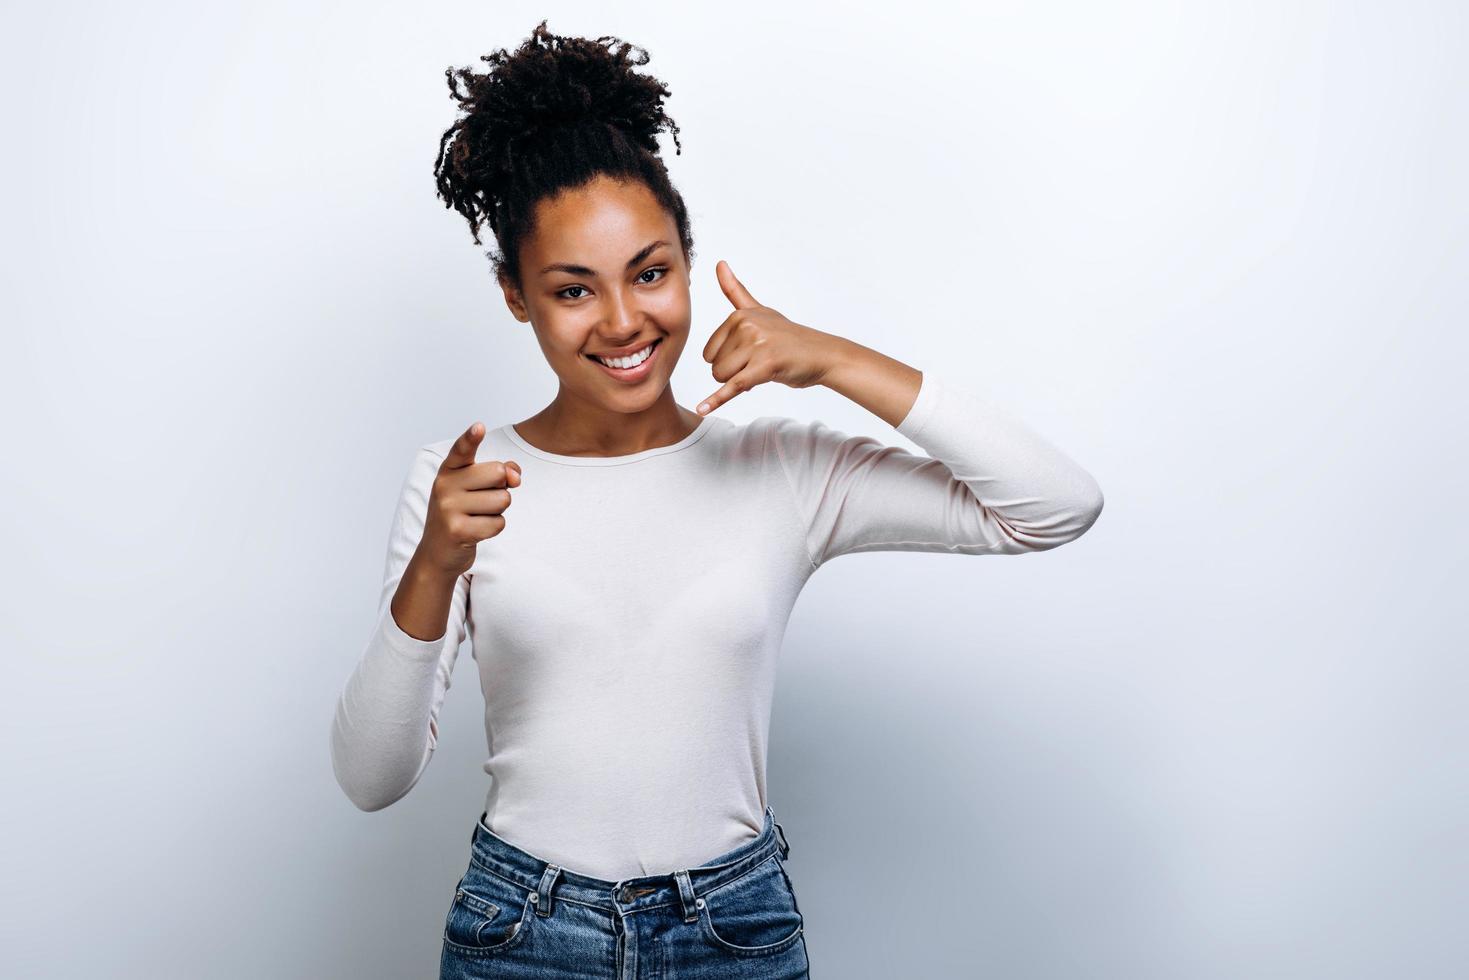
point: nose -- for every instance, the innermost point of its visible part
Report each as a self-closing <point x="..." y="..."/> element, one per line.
<point x="622" y="317"/>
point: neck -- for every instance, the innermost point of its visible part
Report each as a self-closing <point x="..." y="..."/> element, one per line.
<point x="571" y="426"/>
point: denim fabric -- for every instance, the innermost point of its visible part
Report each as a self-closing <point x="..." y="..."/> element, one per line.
<point x="516" y="916"/>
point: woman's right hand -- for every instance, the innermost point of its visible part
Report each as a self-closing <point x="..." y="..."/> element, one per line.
<point x="466" y="504"/>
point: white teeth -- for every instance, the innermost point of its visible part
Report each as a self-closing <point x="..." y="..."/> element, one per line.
<point x="626" y="362"/>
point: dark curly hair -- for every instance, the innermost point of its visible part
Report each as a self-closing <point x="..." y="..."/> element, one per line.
<point x="548" y="117"/>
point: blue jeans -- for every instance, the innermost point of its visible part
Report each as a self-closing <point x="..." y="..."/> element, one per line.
<point x="517" y="916"/>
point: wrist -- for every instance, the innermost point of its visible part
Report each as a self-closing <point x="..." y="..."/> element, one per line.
<point x="843" y="362"/>
<point x="426" y="573"/>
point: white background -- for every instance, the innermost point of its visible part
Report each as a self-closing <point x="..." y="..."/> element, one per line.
<point x="1216" y="252"/>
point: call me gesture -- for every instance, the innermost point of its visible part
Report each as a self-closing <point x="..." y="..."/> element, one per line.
<point x="756" y="344"/>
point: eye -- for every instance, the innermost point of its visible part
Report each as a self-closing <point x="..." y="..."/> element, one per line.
<point x="661" y="270"/>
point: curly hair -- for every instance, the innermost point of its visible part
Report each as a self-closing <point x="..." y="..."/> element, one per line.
<point x="548" y="117"/>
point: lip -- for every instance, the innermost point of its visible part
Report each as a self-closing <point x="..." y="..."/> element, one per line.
<point x="630" y="375"/>
<point x="628" y="350"/>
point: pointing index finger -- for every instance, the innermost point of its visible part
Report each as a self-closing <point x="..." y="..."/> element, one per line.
<point x="461" y="454"/>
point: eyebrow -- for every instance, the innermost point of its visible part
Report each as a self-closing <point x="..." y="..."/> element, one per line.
<point x="581" y="270"/>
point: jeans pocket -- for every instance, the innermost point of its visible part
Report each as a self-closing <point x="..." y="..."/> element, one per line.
<point x="488" y="914"/>
<point x="754" y="915"/>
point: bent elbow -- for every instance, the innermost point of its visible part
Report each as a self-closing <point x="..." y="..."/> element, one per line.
<point x="1091" y="510"/>
<point x="1080" y="510"/>
<point x="363" y="801"/>
<point x="1081" y="515"/>
<point x="1065" y="525"/>
<point x="371" y="802"/>
<point x="367" y="795"/>
<point x="362" y="783"/>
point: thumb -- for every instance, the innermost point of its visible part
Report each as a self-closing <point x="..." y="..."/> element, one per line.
<point x="733" y="288"/>
<point x="461" y="454"/>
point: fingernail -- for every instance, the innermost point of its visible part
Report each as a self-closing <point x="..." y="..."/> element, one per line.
<point x="703" y="407"/>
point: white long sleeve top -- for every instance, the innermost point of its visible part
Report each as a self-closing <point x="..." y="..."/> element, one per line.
<point x="627" y="621"/>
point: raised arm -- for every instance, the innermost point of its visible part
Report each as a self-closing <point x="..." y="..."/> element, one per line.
<point x="385" y="727"/>
<point x="989" y="486"/>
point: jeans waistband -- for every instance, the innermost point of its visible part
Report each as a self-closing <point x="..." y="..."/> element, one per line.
<point x="550" y="881"/>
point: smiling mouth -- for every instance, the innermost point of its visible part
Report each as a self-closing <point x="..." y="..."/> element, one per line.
<point x="650" y="349"/>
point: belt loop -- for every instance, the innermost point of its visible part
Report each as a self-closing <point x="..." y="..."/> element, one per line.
<point x="780" y="834"/>
<point x="542" y="897"/>
<point x="686" y="895"/>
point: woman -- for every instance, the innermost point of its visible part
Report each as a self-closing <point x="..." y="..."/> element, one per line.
<point x="626" y="621"/>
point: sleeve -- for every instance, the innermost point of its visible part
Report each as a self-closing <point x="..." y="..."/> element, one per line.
<point x="386" y="723"/>
<point x="989" y="486"/>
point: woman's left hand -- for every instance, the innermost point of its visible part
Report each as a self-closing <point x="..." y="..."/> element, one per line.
<point x="756" y="344"/>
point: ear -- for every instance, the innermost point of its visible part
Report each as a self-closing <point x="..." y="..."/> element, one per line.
<point x="514" y="300"/>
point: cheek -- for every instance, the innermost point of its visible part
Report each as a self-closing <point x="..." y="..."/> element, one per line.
<point x="671" y="308"/>
<point x="565" y="338"/>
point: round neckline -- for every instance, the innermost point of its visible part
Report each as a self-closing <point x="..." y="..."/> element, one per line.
<point x="699" y="431"/>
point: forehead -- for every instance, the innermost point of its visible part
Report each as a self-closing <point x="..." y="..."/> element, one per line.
<point x="600" y="225"/>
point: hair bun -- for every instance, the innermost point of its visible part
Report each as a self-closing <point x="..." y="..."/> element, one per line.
<point x="549" y="116"/>
<point x="560" y="83"/>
